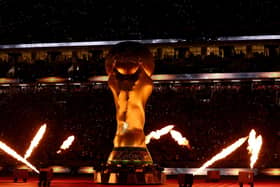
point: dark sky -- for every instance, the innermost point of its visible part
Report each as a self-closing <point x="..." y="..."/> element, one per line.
<point x="69" y="20"/>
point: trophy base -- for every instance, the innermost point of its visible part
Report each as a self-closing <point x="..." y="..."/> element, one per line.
<point x="136" y="156"/>
<point x="113" y="174"/>
<point x="130" y="165"/>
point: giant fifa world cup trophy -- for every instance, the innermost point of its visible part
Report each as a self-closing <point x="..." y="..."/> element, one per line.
<point x="129" y="66"/>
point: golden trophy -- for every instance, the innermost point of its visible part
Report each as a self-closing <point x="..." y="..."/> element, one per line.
<point x="129" y="66"/>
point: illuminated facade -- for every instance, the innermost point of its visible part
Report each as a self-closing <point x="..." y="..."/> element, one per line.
<point x="161" y="50"/>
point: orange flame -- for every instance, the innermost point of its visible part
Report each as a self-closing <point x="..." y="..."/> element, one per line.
<point x="225" y="152"/>
<point x="66" y="144"/>
<point x="12" y="153"/>
<point x="158" y="133"/>
<point x="35" y="141"/>
<point x="177" y="136"/>
<point x="254" y="147"/>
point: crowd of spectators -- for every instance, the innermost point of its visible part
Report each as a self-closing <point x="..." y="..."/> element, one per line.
<point x="214" y="64"/>
<point x="82" y="69"/>
<point x="210" y="115"/>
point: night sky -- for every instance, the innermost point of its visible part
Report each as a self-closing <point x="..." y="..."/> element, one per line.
<point x="80" y="20"/>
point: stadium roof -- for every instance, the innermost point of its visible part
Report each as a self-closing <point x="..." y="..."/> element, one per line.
<point x="85" y="43"/>
<point x="147" y="41"/>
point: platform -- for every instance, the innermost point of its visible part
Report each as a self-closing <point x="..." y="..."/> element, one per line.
<point x="87" y="182"/>
<point x="126" y="174"/>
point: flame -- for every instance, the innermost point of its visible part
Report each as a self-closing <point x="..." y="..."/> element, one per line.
<point x="12" y="153"/>
<point x="158" y="133"/>
<point x="66" y="144"/>
<point x="225" y="152"/>
<point x="35" y="141"/>
<point x="177" y="136"/>
<point x="254" y="147"/>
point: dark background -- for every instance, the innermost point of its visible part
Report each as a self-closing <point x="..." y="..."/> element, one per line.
<point x="68" y="20"/>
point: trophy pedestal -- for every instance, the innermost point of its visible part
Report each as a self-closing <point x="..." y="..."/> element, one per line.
<point x="131" y="165"/>
<point x="136" y="156"/>
<point x="130" y="174"/>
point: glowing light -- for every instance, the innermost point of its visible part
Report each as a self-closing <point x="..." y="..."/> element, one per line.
<point x="23" y="85"/>
<point x="124" y="127"/>
<point x="270" y="74"/>
<point x="4" y="80"/>
<point x="24" y="167"/>
<point x="101" y="78"/>
<point x="225" y="152"/>
<point x="60" y="169"/>
<point x="177" y="136"/>
<point x="254" y="147"/>
<point x="52" y="79"/>
<point x="34" y="143"/>
<point x="163" y="77"/>
<point x="66" y="144"/>
<point x="86" y="169"/>
<point x="257" y="80"/>
<point x="76" y="83"/>
<point x="5" y="85"/>
<point x="235" y="80"/>
<point x="158" y="133"/>
<point x="12" y="153"/>
<point x="194" y="81"/>
<point x="271" y="171"/>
